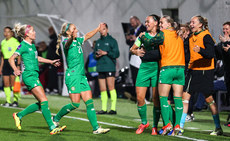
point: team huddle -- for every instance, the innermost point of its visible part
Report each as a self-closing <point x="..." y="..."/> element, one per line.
<point x="161" y="49"/>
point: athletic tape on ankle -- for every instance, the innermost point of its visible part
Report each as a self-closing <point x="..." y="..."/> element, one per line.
<point x="210" y="103"/>
<point x="185" y="101"/>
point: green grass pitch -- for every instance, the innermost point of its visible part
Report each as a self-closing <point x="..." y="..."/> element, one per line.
<point x="34" y="127"/>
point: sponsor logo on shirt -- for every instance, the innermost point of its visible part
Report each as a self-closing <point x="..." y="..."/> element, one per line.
<point x="106" y="44"/>
<point x="30" y="49"/>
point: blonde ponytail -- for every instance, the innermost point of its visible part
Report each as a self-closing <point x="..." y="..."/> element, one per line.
<point x="20" y="29"/>
<point x="206" y="24"/>
<point x="58" y="43"/>
<point x="63" y="33"/>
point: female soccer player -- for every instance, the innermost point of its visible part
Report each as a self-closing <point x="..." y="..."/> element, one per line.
<point x="28" y="53"/>
<point x="75" y="77"/>
<point x="200" y="76"/>
<point x="8" y="47"/>
<point x="148" y="72"/>
<point x="171" y="73"/>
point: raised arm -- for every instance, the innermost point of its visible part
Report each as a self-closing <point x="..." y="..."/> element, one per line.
<point x="12" y="64"/>
<point x="92" y="33"/>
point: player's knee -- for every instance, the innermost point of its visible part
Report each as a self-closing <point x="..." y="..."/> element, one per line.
<point x="75" y="105"/>
<point x="140" y="99"/>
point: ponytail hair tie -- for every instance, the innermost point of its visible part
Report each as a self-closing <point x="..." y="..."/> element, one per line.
<point x="27" y="30"/>
<point x="67" y="27"/>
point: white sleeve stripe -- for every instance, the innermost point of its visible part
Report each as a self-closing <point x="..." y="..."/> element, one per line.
<point x="17" y="53"/>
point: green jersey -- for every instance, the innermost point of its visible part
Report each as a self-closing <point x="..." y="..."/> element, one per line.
<point x="74" y="55"/>
<point x="8" y="47"/>
<point x="29" y="56"/>
<point x="150" y="42"/>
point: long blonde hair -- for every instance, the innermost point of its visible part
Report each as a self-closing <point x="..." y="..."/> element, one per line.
<point x="20" y="30"/>
<point x="62" y="33"/>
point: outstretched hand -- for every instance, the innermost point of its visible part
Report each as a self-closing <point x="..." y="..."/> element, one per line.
<point x="56" y="62"/>
<point x="224" y="38"/>
<point x="17" y="72"/>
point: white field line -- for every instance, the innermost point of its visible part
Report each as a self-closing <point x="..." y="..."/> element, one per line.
<point x="110" y="124"/>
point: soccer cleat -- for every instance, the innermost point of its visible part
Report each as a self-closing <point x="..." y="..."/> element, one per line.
<point x="102" y="112"/>
<point x="141" y="128"/>
<point x="62" y="128"/>
<point x="189" y="118"/>
<point x="6" y="104"/>
<point x="217" y="132"/>
<point x="112" y="112"/>
<point x="171" y="133"/>
<point x="17" y="121"/>
<point x="154" y="131"/>
<point x="15" y="104"/>
<point x="101" y="131"/>
<point x="161" y="131"/>
<point x="176" y="130"/>
<point x="167" y="129"/>
<point x="55" y="123"/>
<point x="227" y="124"/>
<point x="57" y="130"/>
<point x="181" y="132"/>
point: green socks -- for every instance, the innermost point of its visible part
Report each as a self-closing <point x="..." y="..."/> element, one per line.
<point x="104" y="99"/>
<point x="156" y="116"/>
<point x="91" y="114"/>
<point x="142" y="110"/>
<point x="164" y="109"/>
<point x="171" y="115"/>
<point x="178" y="109"/>
<point x="113" y="95"/>
<point x="65" y="110"/>
<point x="29" y="109"/>
<point x="7" y="91"/>
<point x="47" y="115"/>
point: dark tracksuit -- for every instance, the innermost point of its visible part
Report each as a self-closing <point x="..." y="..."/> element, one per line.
<point x="107" y="63"/>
